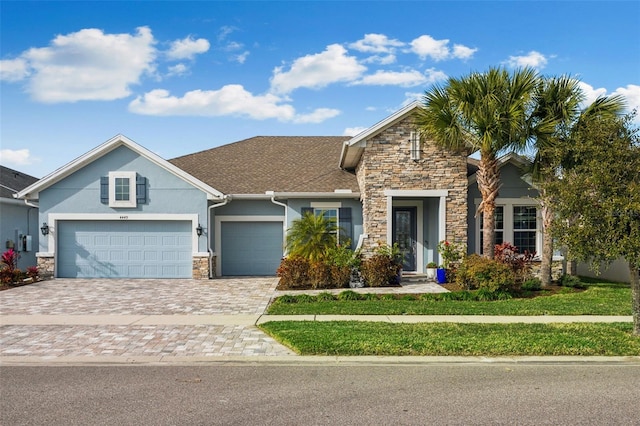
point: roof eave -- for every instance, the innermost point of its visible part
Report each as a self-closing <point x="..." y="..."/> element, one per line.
<point x="32" y="192"/>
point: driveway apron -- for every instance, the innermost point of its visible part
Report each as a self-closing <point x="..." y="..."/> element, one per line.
<point x="136" y="318"/>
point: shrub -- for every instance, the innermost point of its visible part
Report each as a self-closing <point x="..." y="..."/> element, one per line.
<point x="325" y="297"/>
<point x="287" y="298"/>
<point x="10" y="259"/>
<point x="319" y="275"/>
<point x="481" y="273"/>
<point x="340" y="276"/>
<point x="520" y="263"/>
<point x="571" y="281"/>
<point x="293" y="272"/>
<point x="33" y="272"/>
<point x="450" y="253"/>
<point x="379" y="270"/>
<point x="348" y="295"/>
<point x="532" y="284"/>
<point x="305" y="298"/>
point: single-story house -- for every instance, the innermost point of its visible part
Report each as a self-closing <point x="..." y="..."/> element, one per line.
<point x="122" y="211"/>
<point x="18" y="219"/>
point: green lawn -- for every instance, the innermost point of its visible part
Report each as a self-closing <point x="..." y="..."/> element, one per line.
<point x="439" y="339"/>
<point x="597" y="299"/>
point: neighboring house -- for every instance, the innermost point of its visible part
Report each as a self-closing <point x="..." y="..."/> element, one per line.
<point x="122" y="211"/>
<point x="19" y="228"/>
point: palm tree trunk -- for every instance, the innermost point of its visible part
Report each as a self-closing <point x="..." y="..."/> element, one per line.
<point x="546" y="212"/>
<point x="488" y="183"/>
<point x="634" y="279"/>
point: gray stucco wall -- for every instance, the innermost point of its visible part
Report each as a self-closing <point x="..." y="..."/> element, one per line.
<point x="293" y="209"/>
<point x="16" y="218"/>
<point x="80" y="192"/>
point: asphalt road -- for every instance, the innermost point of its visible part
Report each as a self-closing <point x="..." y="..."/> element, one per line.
<point x="252" y="394"/>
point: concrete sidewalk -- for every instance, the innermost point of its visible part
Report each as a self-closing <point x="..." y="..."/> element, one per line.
<point x="248" y="320"/>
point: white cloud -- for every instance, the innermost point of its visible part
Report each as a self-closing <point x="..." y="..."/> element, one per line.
<point x="16" y="157"/>
<point x="377" y="59"/>
<point x="241" y="58"/>
<point x="13" y="69"/>
<point x="317" y="116"/>
<point x="89" y="65"/>
<point x="425" y="46"/>
<point x="409" y="97"/>
<point x="352" y="131"/>
<point x="632" y="95"/>
<point x="435" y="76"/>
<point x="230" y="100"/>
<point x="376" y="43"/>
<point x="463" y="52"/>
<point x="187" y="48"/>
<point x="178" y="69"/>
<point x="590" y="93"/>
<point x="317" y="71"/>
<point x="532" y="59"/>
<point x="393" y="78"/>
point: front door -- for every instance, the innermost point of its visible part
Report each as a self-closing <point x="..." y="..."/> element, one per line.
<point x="404" y="232"/>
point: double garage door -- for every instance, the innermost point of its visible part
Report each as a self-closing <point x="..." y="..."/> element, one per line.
<point x="124" y="249"/>
<point x="251" y="248"/>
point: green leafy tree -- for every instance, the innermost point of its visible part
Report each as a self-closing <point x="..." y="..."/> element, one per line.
<point x="486" y="112"/>
<point x="557" y="114"/>
<point x="311" y="236"/>
<point x="597" y="201"/>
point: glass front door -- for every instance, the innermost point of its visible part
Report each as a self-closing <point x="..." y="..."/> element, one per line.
<point x="405" y="232"/>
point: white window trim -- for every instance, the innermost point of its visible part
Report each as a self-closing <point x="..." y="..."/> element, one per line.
<point x="132" y="201"/>
<point x="323" y="205"/>
<point x="508" y="230"/>
<point x="415" y="146"/>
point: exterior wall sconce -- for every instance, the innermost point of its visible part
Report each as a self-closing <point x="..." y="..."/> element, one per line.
<point x="45" y="228"/>
<point x="199" y="230"/>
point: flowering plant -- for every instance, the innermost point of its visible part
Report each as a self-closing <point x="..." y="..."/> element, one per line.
<point x="449" y="252"/>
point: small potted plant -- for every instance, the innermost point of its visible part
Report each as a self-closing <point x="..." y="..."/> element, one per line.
<point x="431" y="270"/>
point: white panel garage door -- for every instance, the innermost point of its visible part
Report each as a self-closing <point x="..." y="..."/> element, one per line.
<point x="251" y="248"/>
<point x="124" y="249"/>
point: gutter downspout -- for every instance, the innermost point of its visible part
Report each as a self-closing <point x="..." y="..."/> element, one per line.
<point x="226" y="200"/>
<point x="284" y="225"/>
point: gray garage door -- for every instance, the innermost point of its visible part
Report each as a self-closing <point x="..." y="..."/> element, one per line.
<point x="251" y="248"/>
<point x="124" y="249"/>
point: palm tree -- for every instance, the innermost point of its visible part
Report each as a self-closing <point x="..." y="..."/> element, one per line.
<point x="311" y="236"/>
<point x="487" y="112"/>
<point x="556" y="117"/>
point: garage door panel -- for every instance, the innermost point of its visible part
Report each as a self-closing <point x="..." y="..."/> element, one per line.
<point x="251" y="248"/>
<point x="134" y="249"/>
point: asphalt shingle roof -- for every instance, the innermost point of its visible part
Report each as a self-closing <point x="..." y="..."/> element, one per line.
<point x="272" y="163"/>
<point x="12" y="181"/>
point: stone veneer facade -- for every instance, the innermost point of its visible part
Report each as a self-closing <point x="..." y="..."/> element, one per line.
<point x="386" y="164"/>
<point x="200" y="268"/>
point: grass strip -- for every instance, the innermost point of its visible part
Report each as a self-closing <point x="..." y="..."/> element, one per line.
<point x="595" y="300"/>
<point x="350" y="338"/>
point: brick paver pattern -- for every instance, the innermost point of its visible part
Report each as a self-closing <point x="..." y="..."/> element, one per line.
<point x="141" y="297"/>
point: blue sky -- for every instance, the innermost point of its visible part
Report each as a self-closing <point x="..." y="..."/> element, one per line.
<point x="180" y="77"/>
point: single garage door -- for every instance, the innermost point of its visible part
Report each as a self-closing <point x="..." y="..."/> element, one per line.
<point x="251" y="248"/>
<point x="124" y="249"/>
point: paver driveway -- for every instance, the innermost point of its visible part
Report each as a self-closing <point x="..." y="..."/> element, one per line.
<point x="136" y="318"/>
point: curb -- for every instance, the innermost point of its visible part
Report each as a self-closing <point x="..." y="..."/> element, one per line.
<point x="296" y="360"/>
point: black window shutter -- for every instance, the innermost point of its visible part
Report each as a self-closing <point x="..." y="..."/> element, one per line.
<point x="346" y="230"/>
<point x="104" y="189"/>
<point x="305" y="210"/>
<point x="141" y="189"/>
